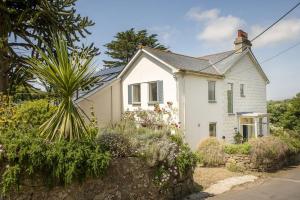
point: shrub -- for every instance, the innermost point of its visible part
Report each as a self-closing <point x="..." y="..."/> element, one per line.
<point x="233" y="166"/>
<point x="117" y="144"/>
<point x="238" y="138"/>
<point x="237" y="148"/>
<point x="211" y="152"/>
<point x="291" y="138"/>
<point x="34" y="113"/>
<point x="60" y="162"/>
<point x="267" y="151"/>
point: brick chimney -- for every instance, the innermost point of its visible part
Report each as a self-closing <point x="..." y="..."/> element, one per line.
<point x="241" y="42"/>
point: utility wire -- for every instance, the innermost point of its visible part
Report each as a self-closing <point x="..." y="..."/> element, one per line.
<point x="257" y="36"/>
<point x="281" y="52"/>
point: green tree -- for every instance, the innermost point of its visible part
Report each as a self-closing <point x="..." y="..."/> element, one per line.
<point x="126" y="43"/>
<point x="28" y="23"/>
<point x="66" y="72"/>
<point x="286" y="113"/>
<point x="291" y="118"/>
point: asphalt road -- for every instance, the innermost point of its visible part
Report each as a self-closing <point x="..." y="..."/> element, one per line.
<point x="284" y="185"/>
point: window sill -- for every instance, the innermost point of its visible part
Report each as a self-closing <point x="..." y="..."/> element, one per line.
<point x="231" y="114"/>
<point x="152" y="103"/>
<point x="243" y="96"/>
<point x="136" y="103"/>
<point x="212" y="101"/>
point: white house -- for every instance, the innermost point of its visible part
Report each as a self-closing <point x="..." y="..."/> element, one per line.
<point x="216" y="95"/>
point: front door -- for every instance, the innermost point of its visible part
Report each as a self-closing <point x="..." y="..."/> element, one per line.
<point x="245" y="132"/>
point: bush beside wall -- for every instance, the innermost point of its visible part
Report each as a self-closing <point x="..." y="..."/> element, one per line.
<point x="260" y="154"/>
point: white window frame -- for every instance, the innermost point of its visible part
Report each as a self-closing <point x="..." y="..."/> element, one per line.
<point x="231" y="85"/>
<point x="214" y="91"/>
<point x="215" y="129"/>
<point x="150" y="91"/>
<point x="133" y="91"/>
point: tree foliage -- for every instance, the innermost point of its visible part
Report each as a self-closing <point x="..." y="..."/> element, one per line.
<point x="66" y="72"/>
<point x="28" y="23"/>
<point x="286" y="113"/>
<point x="126" y="43"/>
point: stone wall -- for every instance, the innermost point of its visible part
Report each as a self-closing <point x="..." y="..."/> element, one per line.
<point x="126" y="178"/>
<point x="243" y="162"/>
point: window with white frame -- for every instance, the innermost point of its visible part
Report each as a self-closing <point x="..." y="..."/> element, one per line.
<point x="212" y="129"/>
<point x="153" y="97"/>
<point x="230" y="98"/>
<point x="242" y="90"/>
<point x="211" y="91"/>
<point x="136" y="93"/>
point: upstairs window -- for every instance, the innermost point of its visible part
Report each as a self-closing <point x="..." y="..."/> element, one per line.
<point x="242" y="90"/>
<point x="153" y="97"/>
<point x="212" y="129"/>
<point x="134" y="94"/>
<point x="211" y="91"/>
<point x="230" y="98"/>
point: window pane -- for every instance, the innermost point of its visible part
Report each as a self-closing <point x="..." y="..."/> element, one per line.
<point x="212" y="129"/>
<point x="242" y="90"/>
<point x="211" y="90"/>
<point x="136" y="93"/>
<point x="153" y="91"/>
<point x="230" y="98"/>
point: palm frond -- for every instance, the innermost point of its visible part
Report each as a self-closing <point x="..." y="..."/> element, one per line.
<point x="66" y="72"/>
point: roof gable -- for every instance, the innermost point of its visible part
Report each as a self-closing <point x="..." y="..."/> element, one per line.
<point x="253" y="59"/>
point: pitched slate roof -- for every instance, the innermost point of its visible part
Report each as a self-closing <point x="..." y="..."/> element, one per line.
<point x="105" y="76"/>
<point x="222" y="60"/>
<point x="183" y="62"/>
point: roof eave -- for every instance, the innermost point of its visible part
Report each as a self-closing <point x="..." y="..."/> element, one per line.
<point x="201" y="73"/>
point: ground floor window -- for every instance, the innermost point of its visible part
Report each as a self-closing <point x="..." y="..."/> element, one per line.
<point x="136" y="93"/>
<point x="213" y="129"/>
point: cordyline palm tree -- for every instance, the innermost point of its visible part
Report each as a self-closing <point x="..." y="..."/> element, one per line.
<point x="66" y="73"/>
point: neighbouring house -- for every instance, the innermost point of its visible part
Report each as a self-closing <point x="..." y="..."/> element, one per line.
<point x="216" y="95"/>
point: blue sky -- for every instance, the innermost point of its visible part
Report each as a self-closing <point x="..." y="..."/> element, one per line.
<point x="197" y="28"/>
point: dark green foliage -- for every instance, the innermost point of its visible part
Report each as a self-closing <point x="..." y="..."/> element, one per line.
<point x="28" y="23"/>
<point x="125" y="45"/>
<point x="238" y="138"/>
<point x="286" y="113"/>
<point x="61" y="162"/>
<point x="186" y="159"/>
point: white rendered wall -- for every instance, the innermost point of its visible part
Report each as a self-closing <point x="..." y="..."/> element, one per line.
<point x="144" y="70"/>
<point x="199" y="112"/>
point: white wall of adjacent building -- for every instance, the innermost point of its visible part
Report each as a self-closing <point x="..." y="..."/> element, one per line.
<point x="143" y="71"/>
<point x="106" y="104"/>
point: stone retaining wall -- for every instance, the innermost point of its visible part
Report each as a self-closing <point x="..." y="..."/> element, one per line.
<point x="126" y="178"/>
<point x="243" y="162"/>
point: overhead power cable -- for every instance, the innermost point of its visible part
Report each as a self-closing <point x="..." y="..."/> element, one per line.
<point x="281" y="52"/>
<point x="257" y="36"/>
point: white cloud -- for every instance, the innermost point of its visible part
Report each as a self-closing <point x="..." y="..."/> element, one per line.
<point x="217" y="28"/>
<point x="197" y="14"/>
<point x="220" y="29"/>
<point x="284" y="31"/>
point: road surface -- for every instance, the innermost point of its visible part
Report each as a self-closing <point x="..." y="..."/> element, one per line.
<point x="284" y="185"/>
